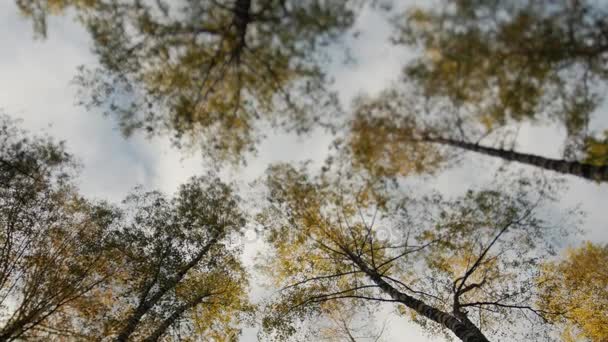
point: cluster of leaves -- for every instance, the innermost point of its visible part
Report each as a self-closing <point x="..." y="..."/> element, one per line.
<point x="385" y="138"/>
<point x="80" y="270"/>
<point x="517" y="60"/>
<point x="51" y="240"/>
<point x="476" y="254"/>
<point x="576" y="285"/>
<point x="596" y="150"/>
<point x="205" y="72"/>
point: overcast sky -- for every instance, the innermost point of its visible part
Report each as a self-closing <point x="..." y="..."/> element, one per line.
<point x="35" y="86"/>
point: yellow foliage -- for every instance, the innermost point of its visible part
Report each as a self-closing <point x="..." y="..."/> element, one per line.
<point x="525" y="64"/>
<point x="385" y="149"/>
<point x="597" y="150"/>
<point x="578" y="287"/>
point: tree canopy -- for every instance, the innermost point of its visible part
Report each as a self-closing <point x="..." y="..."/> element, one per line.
<point x="500" y="61"/>
<point x="76" y="269"/>
<point x="485" y="67"/>
<point x="576" y="284"/>
<point x="52" y="241"/>
<point x="205" y="72"/>
<point x="389" y="138"/>
<point x="466" y="267"/>
<point x="179" y="274"/>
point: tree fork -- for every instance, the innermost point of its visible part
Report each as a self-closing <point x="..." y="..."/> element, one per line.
<point x="462" y="330"/>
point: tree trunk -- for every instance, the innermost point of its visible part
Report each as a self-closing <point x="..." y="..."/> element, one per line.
<point x="587" y="171"/>
<point x="162" y="328"/>
<point x="463" y="331"/>
<point x="242" y="18"/>
<point x="147" y="304"/>
<point x="8" y="334"/>
<point x="133" y="322"/>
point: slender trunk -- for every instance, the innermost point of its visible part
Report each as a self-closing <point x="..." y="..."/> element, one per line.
<point x="587" y="171"/>
<point x="146" y="305"/>
<point x="350" y="336"/>
<point x="462" y="330"/>
<point x="7" y="334"/>
<point x="158" y="333"/>
<point x="133" y="321"/>
<point x="19" y="327"/>
<point x="242" y="18"/>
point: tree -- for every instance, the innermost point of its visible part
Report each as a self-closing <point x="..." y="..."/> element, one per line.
<point x="512" y="61"/>
<point x="577" y="284"/>
<point x="206" y="71"/>
<point x="78" y="270"/>
<point x="52" y="241"/>
<point x="465" y="267"/>
<point x="179" y="276"/>
<point x="389" y="137"/>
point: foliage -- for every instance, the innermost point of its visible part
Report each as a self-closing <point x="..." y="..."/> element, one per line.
<point x="215" y="74"/>
<point x="596" y="150"/>
<point x="577" y="285"/>
<point x="385" y="138"/>
<point x="501" y="61"/>
<point x="474" y="258"/>
<point x="205" y="72"/>
<point x="395" y="134"/>
<point x="177" y="274"/>
<point x="152" y="268"/>
<point x="52" y="241"/>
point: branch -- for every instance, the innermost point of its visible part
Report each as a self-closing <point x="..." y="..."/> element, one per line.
<point x="408" y="252"/>
<point x="537" y="312"/>
<point x="334" y="295"/>
<point x="472" y="269"/>
<point x="410" y="289"/>
<point x="319" y="278"/>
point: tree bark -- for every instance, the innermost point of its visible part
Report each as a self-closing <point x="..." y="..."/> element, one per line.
<point x="583" y="170"/>
<point x="162" y="328"/>
<point x="242" y="18"/>
<point x="462" y="330"/>
<point x="147" y="304"/>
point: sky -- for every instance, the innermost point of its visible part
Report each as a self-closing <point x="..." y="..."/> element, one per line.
<point x="35" y="86"/>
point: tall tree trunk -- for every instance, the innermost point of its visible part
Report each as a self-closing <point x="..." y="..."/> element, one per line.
<point x="146" y="304"/>
<point x="8" y="334"/>
<point x="465" y="332"/>
<point x="242" y="18"/>
<point x="587" y="171"/>
<point x="162" y="328"/>
<point x="133" y="321"/>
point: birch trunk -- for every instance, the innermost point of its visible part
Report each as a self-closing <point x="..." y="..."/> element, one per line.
<point x="587" y="171"/>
